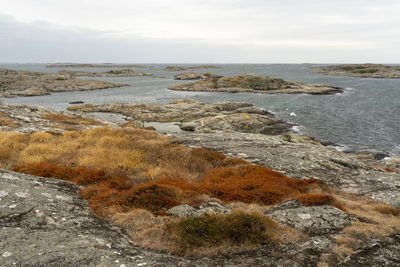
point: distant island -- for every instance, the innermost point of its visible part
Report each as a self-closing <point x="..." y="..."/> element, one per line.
<point x="361" y="70"/>
<point x="255" y="84"/>
<point x="190" y="75"/>
<point x="86" y="65"/>
<point x="110" y="73"/>
<point x="180" y="68"/>
<point x="30" y="83"/>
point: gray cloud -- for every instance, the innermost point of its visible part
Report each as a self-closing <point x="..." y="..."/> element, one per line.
<point x="201" y="31"/>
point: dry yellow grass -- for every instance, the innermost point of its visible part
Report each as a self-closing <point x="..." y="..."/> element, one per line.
<point x="64" y="119"/>
<point x="140" y="154"/>
<point x="376" y="220"/>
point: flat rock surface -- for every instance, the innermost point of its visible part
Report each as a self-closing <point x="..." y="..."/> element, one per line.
<point x="315" y="220"/>
<point x="43" y="222"/>
<point x="28" y="119"/>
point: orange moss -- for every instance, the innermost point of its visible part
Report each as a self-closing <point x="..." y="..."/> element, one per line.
<point x="78" y="175"/>
<point x="252" y="183"/>
<point x="388" y="169"/>
<point x="319" y="200"/>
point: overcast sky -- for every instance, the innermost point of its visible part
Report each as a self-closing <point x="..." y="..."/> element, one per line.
<point x="200" y="31"/>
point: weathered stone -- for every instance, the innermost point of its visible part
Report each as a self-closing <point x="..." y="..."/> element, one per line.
<point x="317" y="220"/>
<point x="379" y="253"/>
<point x="43" y="222"/>
<point x="189" y="126"/>
<point x="209" y="207"/>
<point x="182" y="211"/>
<point x="199" y="117"/>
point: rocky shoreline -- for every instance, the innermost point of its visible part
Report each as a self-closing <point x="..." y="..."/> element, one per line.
<point x="196" y="116"/>
<point x="255" y="84"/>
<point x="360" y="70"/>
<point x="52" y="209"/>
<point x="15" y="83"/>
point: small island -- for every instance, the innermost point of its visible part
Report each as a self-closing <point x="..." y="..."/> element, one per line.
<point x="86" y="65"/>
<point x="180" y="68"/>
<point x="110" y="73"/>
<point x="255" y="84"/>
<point x="361" y="71"/>
<point x="190" y="75"/>
<point x="29" y="83"/>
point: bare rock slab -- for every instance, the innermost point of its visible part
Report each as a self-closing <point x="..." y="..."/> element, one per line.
<point x="43" y="222"/>
<point x="315" y="220"/>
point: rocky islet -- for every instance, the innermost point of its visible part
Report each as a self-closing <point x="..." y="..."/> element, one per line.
<point x="360" y="70"/>
<point x="15" y="83"/>
<point x="255" y="84"/>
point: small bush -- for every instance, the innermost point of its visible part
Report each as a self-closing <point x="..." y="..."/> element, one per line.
<point x="162" y="194"/>
<point x="235" y="229"/>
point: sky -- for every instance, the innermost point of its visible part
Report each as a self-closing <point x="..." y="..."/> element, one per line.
<point x="200" y="31"/>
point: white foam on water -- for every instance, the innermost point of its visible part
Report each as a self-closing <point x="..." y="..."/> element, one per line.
<point x="295" y="128"/>
<point x="293" y="114"/>
<point x="340" y="148"/>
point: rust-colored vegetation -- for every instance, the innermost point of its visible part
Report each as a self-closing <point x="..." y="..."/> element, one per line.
<point x="388" y="169"/>
<point x="123" y="170"/>
<point x="319" y="200"/>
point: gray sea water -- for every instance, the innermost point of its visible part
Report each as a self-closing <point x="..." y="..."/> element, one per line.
<point x="365" y="117"/>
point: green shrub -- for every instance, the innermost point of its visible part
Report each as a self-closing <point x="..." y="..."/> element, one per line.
<point x="235" y="229"/>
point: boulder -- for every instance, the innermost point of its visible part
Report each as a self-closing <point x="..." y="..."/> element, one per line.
<point x="209" y="207"/>
<point x="315" y="220"/>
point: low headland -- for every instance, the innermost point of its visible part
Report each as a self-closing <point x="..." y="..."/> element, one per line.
<point x="255" y="84"/>
<point x="360" y="70"/>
